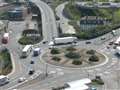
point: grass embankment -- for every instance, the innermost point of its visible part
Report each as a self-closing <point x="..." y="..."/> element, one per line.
<point x="74" y="13"/>
<point x="5" y="62"/>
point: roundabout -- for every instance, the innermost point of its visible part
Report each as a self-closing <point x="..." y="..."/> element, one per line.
<point x="76" y="59"/>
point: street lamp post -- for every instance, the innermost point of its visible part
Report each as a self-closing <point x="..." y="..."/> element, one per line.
<point x="46" y="68"/>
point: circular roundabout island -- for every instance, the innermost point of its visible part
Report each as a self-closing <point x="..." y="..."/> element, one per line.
<point x="74" y="57"/>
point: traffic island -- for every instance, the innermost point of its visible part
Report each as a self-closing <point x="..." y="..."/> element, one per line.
<point x="73" y="57"/>
<point x="5" y="62"/>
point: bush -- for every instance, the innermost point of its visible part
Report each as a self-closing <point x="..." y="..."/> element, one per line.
<point x="6" y="59"/>
<point x="94" y="58"/>
<point x="92" y="52"/>
<point x="71" y="49"/>
<point x="76" y="62"/>
<point x="29" y="40"/>
<point x="56" y="58"/>
<point x="98" y="81"/>
<point x="72" y="55"/>
<point x="55" y="51"/>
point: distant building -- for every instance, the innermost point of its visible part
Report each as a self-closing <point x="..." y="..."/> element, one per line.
<point x="91" y="22"/>
<point x="18" y="13"/>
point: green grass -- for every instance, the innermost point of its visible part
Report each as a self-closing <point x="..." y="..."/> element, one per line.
<point x="72" y="11"/>
<point x="5" y="58"/>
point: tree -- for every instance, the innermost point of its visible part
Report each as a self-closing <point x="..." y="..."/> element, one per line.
<point x="76" y="62"/>
<point x="55" y="58"/>
<point x="94" y="58"/>
<point x="72" y="55"/>
<point x="92" y="52"/>
<point x="72" y="2"/>
<point x="54" y="51"/>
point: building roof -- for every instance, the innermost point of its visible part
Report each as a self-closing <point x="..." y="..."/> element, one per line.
<point x="79" y="82"/>
<point x="80" y="87"/>
<point x="92" y="20"/>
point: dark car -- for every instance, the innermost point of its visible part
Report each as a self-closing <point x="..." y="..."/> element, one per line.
<point x="103" y="38"/>
<point x="44" y="42"/>
<point x="111" y="43"/>
<point x="31" y="62"/>
<point x="88" y="42"/>
<point x="31" y="72"/>
<point x="114" y="47"/>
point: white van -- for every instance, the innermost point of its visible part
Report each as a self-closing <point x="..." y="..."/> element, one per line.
<point x="26" y="50"/>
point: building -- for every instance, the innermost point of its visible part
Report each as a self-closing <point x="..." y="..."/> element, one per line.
<point x="91" y="22"/>
<point x="18" y="13"/>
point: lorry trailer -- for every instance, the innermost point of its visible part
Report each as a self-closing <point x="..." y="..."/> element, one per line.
<point x="63" y="40"/>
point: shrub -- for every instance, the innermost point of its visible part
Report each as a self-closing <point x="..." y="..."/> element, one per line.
<point x="98" y="80"/>
<point x="55" y="51"/>
<point x="92" y="52"/>
<point x="56" y="58"/>
<point x="72" y="55"/>
<point x="29" y="40"/>
<point x="76" y="62"/>
<point x="94" y="58"/>
<point x="71" y="49"/>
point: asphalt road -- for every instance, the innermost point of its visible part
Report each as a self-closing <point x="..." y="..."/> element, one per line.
<point x="58" y="75"/>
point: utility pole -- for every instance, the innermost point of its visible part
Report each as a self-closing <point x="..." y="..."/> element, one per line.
<point x="46" y="68"/>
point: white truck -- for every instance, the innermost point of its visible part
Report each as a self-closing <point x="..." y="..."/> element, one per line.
<point x="63" y="40"/>
<point x="3" y="80"/>
<point x="26" y="51"/>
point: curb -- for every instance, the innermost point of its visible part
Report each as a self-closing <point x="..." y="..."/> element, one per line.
<point x="13" y="65"/>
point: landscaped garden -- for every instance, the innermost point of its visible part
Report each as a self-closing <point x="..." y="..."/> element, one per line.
<point x="73" y="57"/>
<point x="5" y="62"/>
